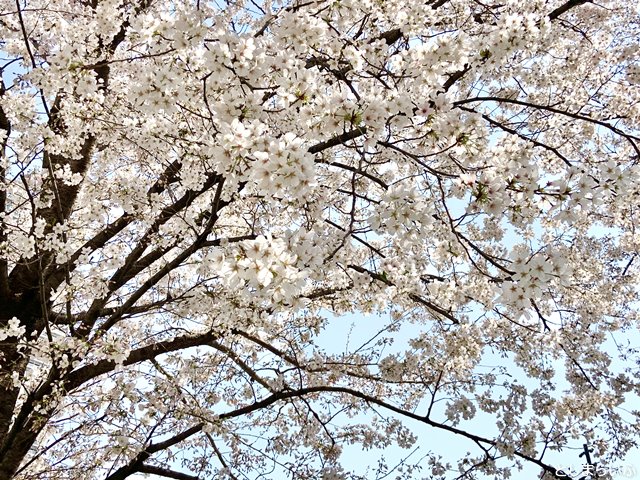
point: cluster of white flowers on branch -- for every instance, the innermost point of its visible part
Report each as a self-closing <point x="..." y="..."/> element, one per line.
<point x="193" y="192"/>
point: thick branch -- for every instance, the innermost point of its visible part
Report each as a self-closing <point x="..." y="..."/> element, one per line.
<point x="197" y="244"/>
<point x="338" y="140"/>
<point x="133" y="266"/>
<point x="89" y="372"/>
<point x="137" y="463"/>
<point x="566" y="7"/>
<point x="289" y="394"/>
<point x="165" y="472"/>
<point x="5" y="131"/>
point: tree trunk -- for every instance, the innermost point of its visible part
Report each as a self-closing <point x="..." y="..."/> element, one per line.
<point x="15" y="441"/>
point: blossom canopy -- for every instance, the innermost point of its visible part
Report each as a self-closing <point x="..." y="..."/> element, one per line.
<point x="194" y="194"/>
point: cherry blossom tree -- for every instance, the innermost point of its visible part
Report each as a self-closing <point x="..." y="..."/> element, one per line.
<point x="192" y="191"/>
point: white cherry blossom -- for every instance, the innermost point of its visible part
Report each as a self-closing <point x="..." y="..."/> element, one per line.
<point x="196" y="197"/>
